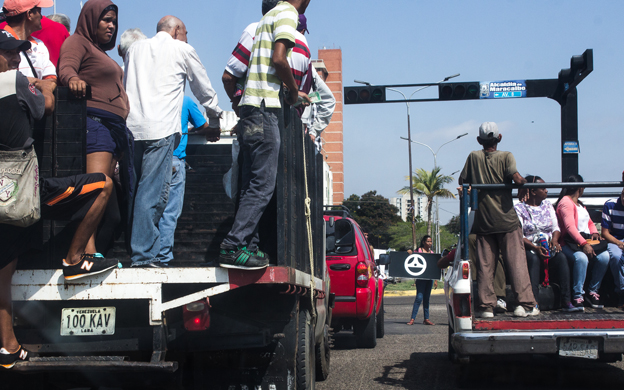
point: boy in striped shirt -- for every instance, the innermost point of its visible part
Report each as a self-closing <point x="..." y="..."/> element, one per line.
<point x="258" y="130"/>
<point x="613" y="232"/>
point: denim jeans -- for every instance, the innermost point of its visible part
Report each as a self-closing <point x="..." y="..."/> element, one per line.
<point x="616" y="263"/>
<point x="259" y="138"/>
<point x="152" y="164"/>
<point x="423" y="293"/>
<point x="579" y="265"/>
<point x="169" y="219"/>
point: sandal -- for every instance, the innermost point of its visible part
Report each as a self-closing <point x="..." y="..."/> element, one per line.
<point x="411" y="322"/>
<point x="428" y="322"/>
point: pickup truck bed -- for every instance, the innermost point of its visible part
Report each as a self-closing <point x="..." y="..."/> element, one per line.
<point x="607" y="318"/>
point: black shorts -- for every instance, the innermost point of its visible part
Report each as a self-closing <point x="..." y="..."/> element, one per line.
<point x="62" y="199"/>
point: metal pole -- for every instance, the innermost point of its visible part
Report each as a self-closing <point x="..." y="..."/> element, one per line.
<point x="409" y="137"/>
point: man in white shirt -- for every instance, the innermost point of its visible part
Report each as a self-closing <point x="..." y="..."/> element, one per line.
<point x="156" y="71"/>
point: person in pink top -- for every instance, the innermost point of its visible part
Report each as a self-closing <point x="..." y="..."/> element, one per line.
<point x="52" y="34"/>
<point x="423" y="286"/>
<point x="576" y="228"/>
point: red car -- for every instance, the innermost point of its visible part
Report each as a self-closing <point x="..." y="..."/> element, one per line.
<point x="355" y="280"/>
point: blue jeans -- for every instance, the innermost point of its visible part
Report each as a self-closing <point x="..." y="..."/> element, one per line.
<point x="580" y="262"/>
<point x="423" y="293"/>
<point x="259" y="137"/>
<point x="617" y="267"/>
<point x="152" y="164"/>
<point x="169" y="219"/>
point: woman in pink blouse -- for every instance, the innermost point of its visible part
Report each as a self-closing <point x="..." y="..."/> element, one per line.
<point x="576" y="228"/>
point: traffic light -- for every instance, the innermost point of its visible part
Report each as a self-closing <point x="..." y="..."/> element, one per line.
<point x="459" y="91"/>
<point x="362" y="95"/>
<point x="580" y="67"/>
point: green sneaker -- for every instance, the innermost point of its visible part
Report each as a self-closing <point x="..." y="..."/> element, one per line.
<point x="242" y="258"/>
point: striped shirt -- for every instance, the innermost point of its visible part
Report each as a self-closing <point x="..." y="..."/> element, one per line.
<point x="262" y="80"/>
<point x="613" y="218"/>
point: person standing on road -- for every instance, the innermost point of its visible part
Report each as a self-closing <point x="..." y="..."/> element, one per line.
<point x="156" y="71"/>
<point x="423" y="286"/>
<point x="258" y="130"/>
<point x="496" y="224"/>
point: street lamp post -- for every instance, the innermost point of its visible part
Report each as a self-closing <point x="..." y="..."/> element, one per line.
<point x="409" y="147"/>
<point x="435" y="165"/>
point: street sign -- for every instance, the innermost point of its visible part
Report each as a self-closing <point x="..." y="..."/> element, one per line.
<point x="503" y="89"/>
<point x="570" y="147"/>
<point x="414" y="266"/>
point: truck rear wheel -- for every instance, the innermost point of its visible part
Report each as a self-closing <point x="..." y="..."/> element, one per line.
<point x="323" y="355"/>
<point x="305" y="360"/>
<point x="380" y="321"/>
<point x="366" y="332"/>
<point x="452" y="355"/>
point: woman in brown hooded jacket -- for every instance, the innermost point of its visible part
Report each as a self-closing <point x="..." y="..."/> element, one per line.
<point x="83" y="61"/>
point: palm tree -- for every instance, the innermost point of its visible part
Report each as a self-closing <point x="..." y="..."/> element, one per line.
<point x="429" y="184"/>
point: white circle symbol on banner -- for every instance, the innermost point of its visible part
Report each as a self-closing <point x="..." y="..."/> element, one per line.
<point x="415" y="265"/>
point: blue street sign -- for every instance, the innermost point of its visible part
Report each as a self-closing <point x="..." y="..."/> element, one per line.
<point x="570" y="147"/>
<point x="503" y="89"/>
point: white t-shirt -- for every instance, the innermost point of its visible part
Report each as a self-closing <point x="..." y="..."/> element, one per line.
<point x="583" y="219"/>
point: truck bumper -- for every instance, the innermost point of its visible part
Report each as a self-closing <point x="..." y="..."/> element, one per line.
<point x="533" y="342"/>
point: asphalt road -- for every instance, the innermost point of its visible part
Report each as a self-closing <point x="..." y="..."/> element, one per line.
<point x="415" y="357"/>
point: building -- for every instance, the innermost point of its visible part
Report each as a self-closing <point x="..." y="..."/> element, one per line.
<point x="329" y="64"/>
<point x="403" y="204"/>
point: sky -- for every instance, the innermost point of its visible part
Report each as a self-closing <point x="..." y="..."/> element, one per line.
<point x="414" y="41"/>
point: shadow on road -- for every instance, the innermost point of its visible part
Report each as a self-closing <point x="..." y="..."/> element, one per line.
<point x="434" y="371"/>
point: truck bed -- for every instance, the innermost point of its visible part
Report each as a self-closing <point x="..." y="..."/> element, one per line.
<point x="606" y="318"/>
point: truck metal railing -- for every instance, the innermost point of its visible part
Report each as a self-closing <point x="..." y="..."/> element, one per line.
<point x="469" y="199"/>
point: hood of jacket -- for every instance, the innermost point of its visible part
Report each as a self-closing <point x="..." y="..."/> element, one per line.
<point x="88" y="21"/>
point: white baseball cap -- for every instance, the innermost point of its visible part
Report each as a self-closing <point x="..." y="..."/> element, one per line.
<point x="488" y="131"/>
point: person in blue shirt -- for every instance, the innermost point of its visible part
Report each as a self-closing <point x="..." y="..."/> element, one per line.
<point x="613" y="232"/>
<point x="169" y="219"/>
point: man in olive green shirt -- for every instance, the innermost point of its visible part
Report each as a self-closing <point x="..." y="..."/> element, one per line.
<point x="496" y="223"/>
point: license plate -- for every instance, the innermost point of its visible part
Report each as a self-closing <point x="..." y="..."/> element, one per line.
<point x="88" y="321"/>
<point x="582" y="348"/>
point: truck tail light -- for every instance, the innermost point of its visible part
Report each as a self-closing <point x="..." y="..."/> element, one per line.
<point x="361" y="274"/>
<point x="465" y="270"/>
<point x="196" y="316"/>
<point x="461" y="305"/>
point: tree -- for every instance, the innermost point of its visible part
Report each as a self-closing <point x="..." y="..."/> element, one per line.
<point x="430" y="184"/>
<point x="454" y="225"/>
<point x="375" y="215"/>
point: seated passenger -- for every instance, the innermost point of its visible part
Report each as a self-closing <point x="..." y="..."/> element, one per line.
<point x="538" y="218"/>
<point x="576" y="228"/>
<point x="74" y="198"/>
<point x="613" y="232"/>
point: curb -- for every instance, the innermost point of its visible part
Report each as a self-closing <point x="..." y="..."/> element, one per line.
<point x="411" y="293"/>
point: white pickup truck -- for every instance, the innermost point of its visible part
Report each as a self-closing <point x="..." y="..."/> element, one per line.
<point x="593" y="334"/>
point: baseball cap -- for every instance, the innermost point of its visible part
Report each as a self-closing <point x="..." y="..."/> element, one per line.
<point x="303" y="24"/>
<point x="488" y="131"/>
<point x="16" y="7"/>
<point x="8" y="42"/>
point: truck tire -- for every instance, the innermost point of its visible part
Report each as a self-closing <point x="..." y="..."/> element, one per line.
<point x="305" y="360"/>
<point x="322" y="355"/>
<point x="452" y="355"/>
<point x="380" y="321"/>
<point x="366" y="332"/>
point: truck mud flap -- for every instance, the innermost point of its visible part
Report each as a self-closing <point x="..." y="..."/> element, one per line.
<point x="92" y="363"/>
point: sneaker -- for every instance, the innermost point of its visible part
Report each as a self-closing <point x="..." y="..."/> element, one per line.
<point x="8" y="360"/>
<point x="242" y="258"/>
<point x="90" y="264"/>
<point x="487" y="313"/>
<point x="578" y="302"/>
<point x="501" y="306"/>
<point x="569" y="307"/>
<point x="594" y="300"/>
<point x="521" y="311"/>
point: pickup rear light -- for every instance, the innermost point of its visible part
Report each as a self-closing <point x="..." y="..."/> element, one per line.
<point x="362" y="274"/>
<point x="465" y="270"/>
<point x="196" y="316"/>
<point x="461" y="305"/>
